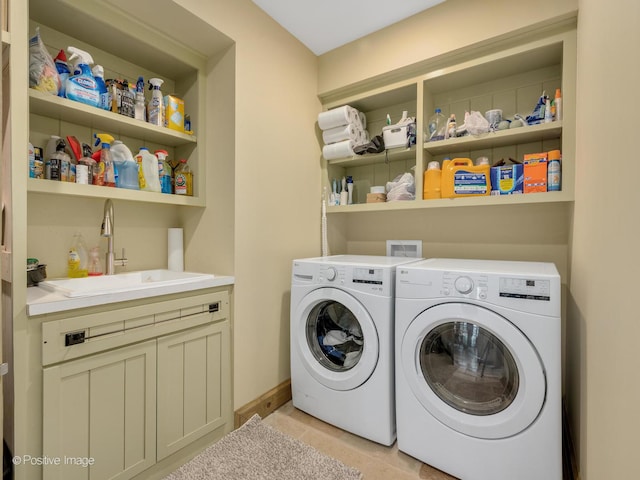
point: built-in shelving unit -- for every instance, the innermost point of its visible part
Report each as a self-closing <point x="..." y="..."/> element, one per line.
<point x="510" y="78"/>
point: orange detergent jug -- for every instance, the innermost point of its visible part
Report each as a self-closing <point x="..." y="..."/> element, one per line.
<point x="461" y="178"/>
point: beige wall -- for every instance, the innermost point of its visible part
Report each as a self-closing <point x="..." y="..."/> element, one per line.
<point x="276" y="194"/>
<point x="450" y="26"/>
<point x="603" y="389"/>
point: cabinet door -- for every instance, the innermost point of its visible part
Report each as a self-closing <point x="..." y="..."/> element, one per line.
<point x="101" y="407"/>
<point x="194" y="385"/>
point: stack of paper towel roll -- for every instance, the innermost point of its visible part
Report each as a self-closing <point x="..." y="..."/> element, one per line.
<point x="343" y="129"/>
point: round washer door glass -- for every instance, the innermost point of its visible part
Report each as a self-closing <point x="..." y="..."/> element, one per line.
<point x="469" y="368"/>
<point x="334" y="336"/>
<point x="473" y="370"/>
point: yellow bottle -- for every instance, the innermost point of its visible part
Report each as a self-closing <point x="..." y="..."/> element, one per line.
<point x="432" y="178"/>
<point x="77" y="258"/>
<point x="183" y="182"/>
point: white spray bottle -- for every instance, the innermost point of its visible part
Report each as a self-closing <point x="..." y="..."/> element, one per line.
<point x="155" y="107"/>
<point x="82" y="87"/>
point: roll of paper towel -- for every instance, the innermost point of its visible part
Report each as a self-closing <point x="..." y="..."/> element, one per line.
<point x="338" y="150"/>
<point x="175" y="257"/>
<point x="338" y="134"/>
<point x="337" y="117"/>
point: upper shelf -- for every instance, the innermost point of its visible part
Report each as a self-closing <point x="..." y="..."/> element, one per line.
<point x="75" y="112"/>
<point x="543" y="131"/>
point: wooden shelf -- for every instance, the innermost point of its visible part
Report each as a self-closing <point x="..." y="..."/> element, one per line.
<point x="75" y="112"/>
<point x="94" y="191"/>
<point x="543" y="131"/>
<point x="373" y="158"/>
<point x="548" y="197"/>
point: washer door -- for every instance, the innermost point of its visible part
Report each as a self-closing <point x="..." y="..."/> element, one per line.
<point x="473" y="370"/>
<point x="336" y="338"/>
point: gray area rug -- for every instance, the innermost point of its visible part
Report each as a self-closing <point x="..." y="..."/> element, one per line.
<point x="256" y="451"/>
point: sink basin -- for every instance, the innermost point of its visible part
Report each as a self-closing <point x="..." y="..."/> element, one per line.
<point x="151" y="280"/>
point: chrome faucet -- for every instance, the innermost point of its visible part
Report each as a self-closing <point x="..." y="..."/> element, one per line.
<point x="107" y="230"/>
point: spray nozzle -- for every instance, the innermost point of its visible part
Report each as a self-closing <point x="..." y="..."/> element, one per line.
<point x="161" y="154"/>
<point x="155" y="83"/>
<point x="103" y="139"/>
<point x="85" y="58"/>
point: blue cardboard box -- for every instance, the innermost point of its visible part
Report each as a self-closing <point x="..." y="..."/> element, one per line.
<point x="507" y="179"/>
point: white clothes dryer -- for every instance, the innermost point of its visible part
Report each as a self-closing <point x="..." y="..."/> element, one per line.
<point x="478" y="368"/>
<point x="342" y="341"/>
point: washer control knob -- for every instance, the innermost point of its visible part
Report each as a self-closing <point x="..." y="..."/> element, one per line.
<point x="331" y="274"/>
<point x="464" y="285"/>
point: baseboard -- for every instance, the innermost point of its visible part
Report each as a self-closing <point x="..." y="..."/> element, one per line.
<point x="569" y="463"/>
<point x="265" y="404"/>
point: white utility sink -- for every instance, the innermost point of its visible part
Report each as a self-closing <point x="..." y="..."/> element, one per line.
<point x="127" y="282"/>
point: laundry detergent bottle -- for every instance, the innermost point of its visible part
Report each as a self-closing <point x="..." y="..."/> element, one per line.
<point x="82" y="87"/>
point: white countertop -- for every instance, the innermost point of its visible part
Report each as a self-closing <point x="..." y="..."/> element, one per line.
<point x="41" y="301"/>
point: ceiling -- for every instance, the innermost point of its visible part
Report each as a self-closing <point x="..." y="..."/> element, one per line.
<point x="323" y="25"/>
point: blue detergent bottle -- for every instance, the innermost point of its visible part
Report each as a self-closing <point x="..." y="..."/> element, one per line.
<point x="83" y="87"/>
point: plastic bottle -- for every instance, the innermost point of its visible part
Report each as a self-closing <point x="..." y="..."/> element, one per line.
<point x="155" y="108"/>
<point x="437" y="126"/>
<point x="548" y="116"/>
<point x="432" y="178"/>
<point x="73" y="164"/>
<point x="554" y="171"/>
<point x="558" y="103"/>
<point x="148" y="174"/>
<point x="450" y="131"/>
<point x="183" y="182"/>
<point x="106" y="173"/>
<point x="82" y="87"/>
<point x="94" y="268"/>
<point x="63" y="72"/>
<point x="98" y="75"/>
<point x="126" y="166"/>
<point x="140" y="110"/>
<point x="77" y="259"/>
<point x="57" y="166"/>
<point x="87" y="168"/>
<point x="31" y="155"/>
<point x="164" y="171"/>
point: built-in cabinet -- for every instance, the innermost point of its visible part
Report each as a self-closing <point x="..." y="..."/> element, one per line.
<point x="158" y="38"/>
<point x="127" y="386"/>
<point x="509" y="76"/>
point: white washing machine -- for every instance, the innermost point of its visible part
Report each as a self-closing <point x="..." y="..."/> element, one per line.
<point x="342" y="340"/>
<point x="478" y="368"/>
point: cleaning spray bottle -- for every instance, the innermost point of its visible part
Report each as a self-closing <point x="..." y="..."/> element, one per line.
<point x="82" y="87"/>
<point x="106" y="171"/>
<point x="63" y="72"/>
<point x="155" y="108"/>
<point x="98" y="75"/>
<point x="165" y="171"/>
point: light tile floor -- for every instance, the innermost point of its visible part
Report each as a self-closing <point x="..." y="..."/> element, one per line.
<point x="375" y="461"/>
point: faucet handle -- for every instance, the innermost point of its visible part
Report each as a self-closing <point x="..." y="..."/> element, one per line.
<point x="122" y="262"/>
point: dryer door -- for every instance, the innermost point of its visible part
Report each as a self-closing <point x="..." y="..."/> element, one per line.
<point x="473" y="370"/>
<point x="336" y="338"/>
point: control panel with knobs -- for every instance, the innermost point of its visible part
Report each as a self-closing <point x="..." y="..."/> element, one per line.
<point x="331" y="274"/>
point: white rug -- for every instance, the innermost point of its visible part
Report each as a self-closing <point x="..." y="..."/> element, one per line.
<point x="256" y="451"/>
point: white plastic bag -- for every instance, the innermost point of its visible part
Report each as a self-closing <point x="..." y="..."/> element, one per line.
<point x="43" y="74"/>
<point x="403" y="187"/>
<point x="476" y="124"/>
